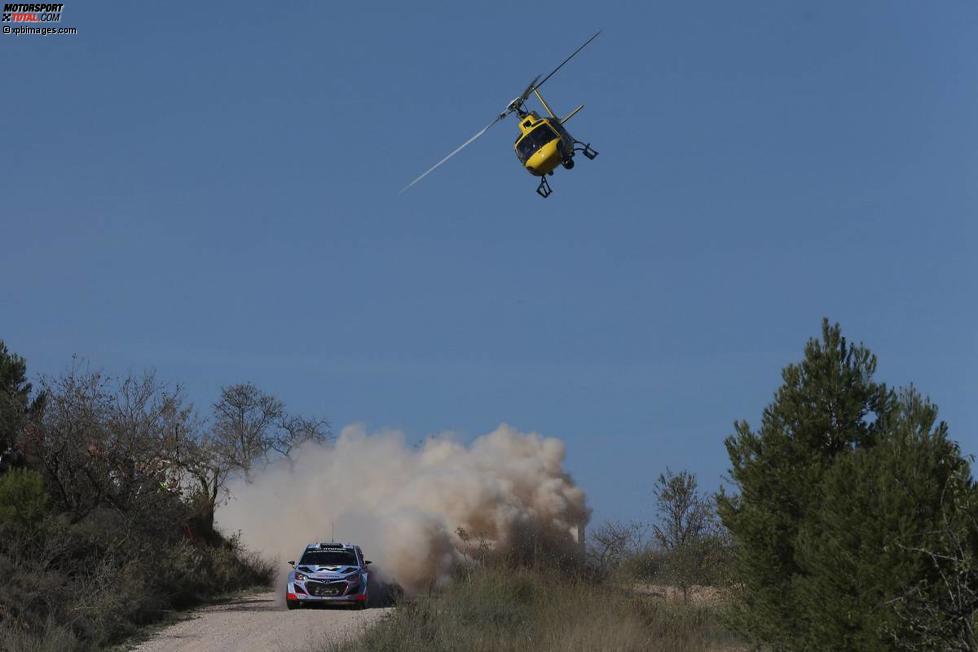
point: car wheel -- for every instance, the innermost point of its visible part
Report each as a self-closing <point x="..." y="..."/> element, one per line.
<point x="292" y="604"/>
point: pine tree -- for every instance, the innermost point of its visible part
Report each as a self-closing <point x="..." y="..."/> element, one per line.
<point x="14" y="396"/>
<point x="856" y="521"/>
<point x="872" y="542"/>
<point x="828" y="405"/>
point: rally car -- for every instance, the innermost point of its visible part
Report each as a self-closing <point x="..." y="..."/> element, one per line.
<point x="328" y="573"/>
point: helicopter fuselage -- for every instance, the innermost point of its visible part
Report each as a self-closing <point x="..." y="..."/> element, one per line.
<point x="543" y="144"/>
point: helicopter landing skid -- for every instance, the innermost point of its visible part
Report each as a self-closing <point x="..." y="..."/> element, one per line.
<point x="544" y="188"/>
<point x="585" y="148"/>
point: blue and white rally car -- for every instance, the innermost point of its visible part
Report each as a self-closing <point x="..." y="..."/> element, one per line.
<point x="328" y="573"/>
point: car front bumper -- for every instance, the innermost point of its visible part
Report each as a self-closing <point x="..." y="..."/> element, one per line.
<point x="305" y="592"/>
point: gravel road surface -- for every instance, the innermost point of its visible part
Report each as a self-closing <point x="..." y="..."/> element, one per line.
<point x="259" y="622"/>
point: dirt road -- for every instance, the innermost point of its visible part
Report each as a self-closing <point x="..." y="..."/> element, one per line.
<point x="259" y="622"/>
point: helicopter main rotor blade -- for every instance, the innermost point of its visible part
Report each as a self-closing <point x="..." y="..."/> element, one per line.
<point x="594" y="36"/>
<point x="454" y="152"/>
<point x="517" y="102"/>
<point x="529" y="89"/>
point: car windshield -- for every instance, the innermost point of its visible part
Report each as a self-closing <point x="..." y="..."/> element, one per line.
<point x="534" y="141"/>
<point x="328" y="558"/>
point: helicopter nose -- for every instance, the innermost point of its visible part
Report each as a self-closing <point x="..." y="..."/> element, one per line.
<point x="544" y="160"/>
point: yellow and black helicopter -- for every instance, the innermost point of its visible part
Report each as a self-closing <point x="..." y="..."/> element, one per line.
<point x="543" y="142"/>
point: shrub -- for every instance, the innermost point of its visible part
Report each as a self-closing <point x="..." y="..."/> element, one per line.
<point x="101" y="578"/>
<point x="23" y="502"/>
<point x="48" y="637"/>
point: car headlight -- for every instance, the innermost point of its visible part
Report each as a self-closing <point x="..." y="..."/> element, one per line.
<point x="299" y="577"/>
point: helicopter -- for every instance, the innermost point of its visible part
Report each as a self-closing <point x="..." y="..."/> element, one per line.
<point x="543" y="142"/>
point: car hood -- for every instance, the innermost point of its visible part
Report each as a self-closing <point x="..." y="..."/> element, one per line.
<point x="328" y="572"/>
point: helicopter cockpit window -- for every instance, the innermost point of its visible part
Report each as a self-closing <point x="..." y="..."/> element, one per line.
<point x="534" y="141"/>
<point x="559" y="128"/>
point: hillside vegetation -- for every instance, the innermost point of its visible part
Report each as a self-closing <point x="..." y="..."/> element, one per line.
<point x="107" y="497"/>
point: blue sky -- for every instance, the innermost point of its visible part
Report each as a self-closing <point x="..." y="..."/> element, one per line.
<point x="211" y="190"/>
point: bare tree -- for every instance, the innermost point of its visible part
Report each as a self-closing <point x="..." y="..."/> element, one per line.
<point x="149" y="424"/>
<point x="66" y="441"/>
<point x="293" y="431"/>
<point x="686" y="529"/>
<point x="244" y="417"/>
<point x="206" y="470"/>
<point x="137" y="446"/>
<point x="612" y="542"/>
<point x="250" y="426"/>
<point x="107" y="444"/>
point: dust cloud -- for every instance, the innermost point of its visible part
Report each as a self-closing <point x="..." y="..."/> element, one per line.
<point x="404" y="504"/>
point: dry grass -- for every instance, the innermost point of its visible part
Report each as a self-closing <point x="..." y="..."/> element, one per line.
<point x="696" y="594"/>
<point x="498" y="609"/>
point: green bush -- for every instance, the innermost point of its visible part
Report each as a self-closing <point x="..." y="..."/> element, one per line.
<point x="23" y="502"/>
<point x="102" y="578"/>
